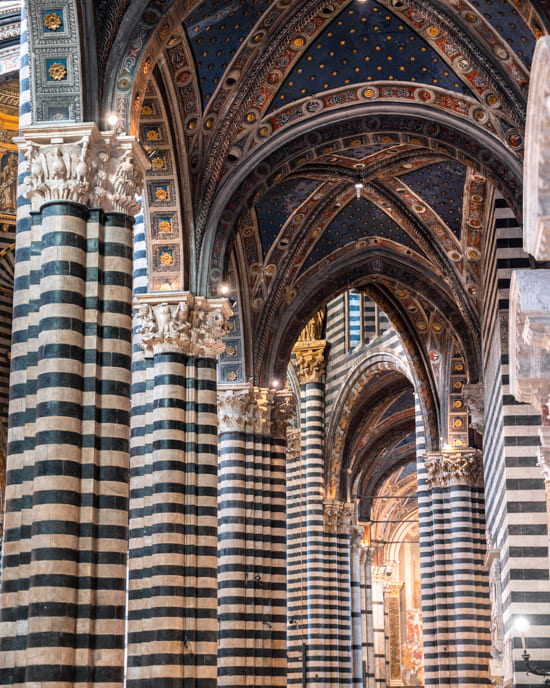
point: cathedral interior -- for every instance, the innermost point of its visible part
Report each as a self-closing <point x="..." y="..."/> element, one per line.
<point x="274" y="343"/>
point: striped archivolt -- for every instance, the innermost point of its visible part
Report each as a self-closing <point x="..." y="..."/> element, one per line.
<point x="64" y="563"/>
<point x="172" y="607"/>
<point x="252" y="536"/>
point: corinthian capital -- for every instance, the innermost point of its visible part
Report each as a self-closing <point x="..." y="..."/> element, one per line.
<point x="339" y="516"/>
<point x="78" y="163"/>
<point x="456" y="468"/>
<point x="234" y="408"/>
<point x="310" y="359"/>
<point x="182" y="323"/>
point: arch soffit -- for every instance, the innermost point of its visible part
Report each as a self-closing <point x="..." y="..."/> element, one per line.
<point x="352" y="388"/>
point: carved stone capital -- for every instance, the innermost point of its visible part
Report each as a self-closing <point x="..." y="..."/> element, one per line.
<point x="77" y="162"/>
<point x="293" y="444"/>
<point x="310" y="359"/>
<point x="474" y="397"/>
<point x="182" y="323"/>
<point x="264" y="400"/>
<point x="357" y="534"/>
<point x="454" y="468"/>
<point x="536" y="195"/>
<point x="283" y="411"/>
<point x="234" y="409"/>
<point x="530" y="336"/>
<point x="393" y="588"/>
<point x="339" y="516"/>
<point x="543" y="456"/>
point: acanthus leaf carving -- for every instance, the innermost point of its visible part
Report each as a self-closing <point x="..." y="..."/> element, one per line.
<point x="447" y="469"/>
<point x="182" y="323"/>
<point x="234" y="409"/>
<point x="78" y="163"/>
<point x="310" y="359"/>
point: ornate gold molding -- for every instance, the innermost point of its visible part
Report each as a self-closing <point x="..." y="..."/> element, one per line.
<point x="182" y="323"/>
<point x="454" y="468"/>
<point x="310" y="360"/>
<point x="77" y="162"/>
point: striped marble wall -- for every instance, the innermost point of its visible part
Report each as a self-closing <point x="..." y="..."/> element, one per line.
<point x="515" y="493"/>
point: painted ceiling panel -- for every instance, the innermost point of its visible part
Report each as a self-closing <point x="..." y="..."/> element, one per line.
<point x="404" y="401"/>
<point x="360" y="152"/>
<point x="442" y="186"/>
<point x="275" y="208"/>
<point x="506" y="20"/>
<point x="365" y="43"/>
<point x="357" y="220"/>
<point x="216" y="30"/>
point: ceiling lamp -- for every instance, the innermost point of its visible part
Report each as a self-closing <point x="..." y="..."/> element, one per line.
<point x="358" y="188"/>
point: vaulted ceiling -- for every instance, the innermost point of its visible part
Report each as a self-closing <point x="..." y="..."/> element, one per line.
<point x="285" y="106"/>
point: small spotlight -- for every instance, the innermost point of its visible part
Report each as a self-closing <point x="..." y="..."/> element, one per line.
<point x="521" y="624"/>
<point x="112" y="120"/>
<point x="358" y="189"/>
<point x="224" y="289"/>
<point x="275" y="383"/>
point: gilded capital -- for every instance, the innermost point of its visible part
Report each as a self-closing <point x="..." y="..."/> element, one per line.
<point x="182" y="323"/>
<point x="447" y="469"/>
<point x="310" y="360"/>
<point x="76" y="162"/>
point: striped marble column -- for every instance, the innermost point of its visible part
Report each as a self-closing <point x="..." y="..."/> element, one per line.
<point x="172" y="609"/>
<point x="311" y="366"/>
<point x="357" y="534"/>
<point x="64" y="564"/>
<point x="296" y="563"/>
<point x="367" y="556"/>
<point x="252" y="536"/>
<point x="455" y="592"/>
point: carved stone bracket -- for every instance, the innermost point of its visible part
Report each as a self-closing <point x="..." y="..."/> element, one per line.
<point x="536" y="238"/>
<point x="339" y="516"/>
<point x="454" y="468"/>
<point x="293" y="443"/>
<point x="474" y="398"/>
<point x="357" y="534"/>
<point x="77" y="162"/>
<point x="530" y="336"/>
<point x="310" y="359"/>
<point x="182" y="323"/>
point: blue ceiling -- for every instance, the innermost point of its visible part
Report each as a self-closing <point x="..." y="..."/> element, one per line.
<point x="360" y="152"/>
<point x="274" y="209"/>
<point x="442" y="186"/>
<point x="365" y="43"/>
<point x="506" y="20"/>
<point x="216" y="30"/>
<point x="403" y="402"/>
<point x="360" y="218"/>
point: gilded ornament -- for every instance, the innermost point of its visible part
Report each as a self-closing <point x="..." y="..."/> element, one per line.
<point x="230" y="351"/>
<point x="147" y="110"/>
<point x="153" y="134"/>
<point x="161" y="194"/>
<point x="165" y="226"/>
<point x="299" y="42"/>
<point x="231" y="376"/>
<point x="458" y="423"/>
<point x="158" y="163"/>
<point x="433" y="31"/>
<point x="166" y="258"/>
<point x="52" y="21"/>
<point x="57" y="71"/>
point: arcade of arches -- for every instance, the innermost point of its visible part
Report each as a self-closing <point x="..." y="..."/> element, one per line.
<point x="274" y="343"/>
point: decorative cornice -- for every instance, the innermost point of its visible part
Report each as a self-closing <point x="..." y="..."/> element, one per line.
<point x="77" y="162"/>
<point x="454" y="468"/>
<point x="183" y="323"/>
<point x="339" y="516"/>
<point x="529" y="336"/>
<point x="310" y="361"/>
<point x="474" y="397"/>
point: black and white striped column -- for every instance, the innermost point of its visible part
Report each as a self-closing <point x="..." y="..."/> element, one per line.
<point x="455" y="591"/>
<point x="172" y="615"/>
<point x="252" y="537"/>
<point x="356" y="552"/>
<point x="64" y="563"/>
